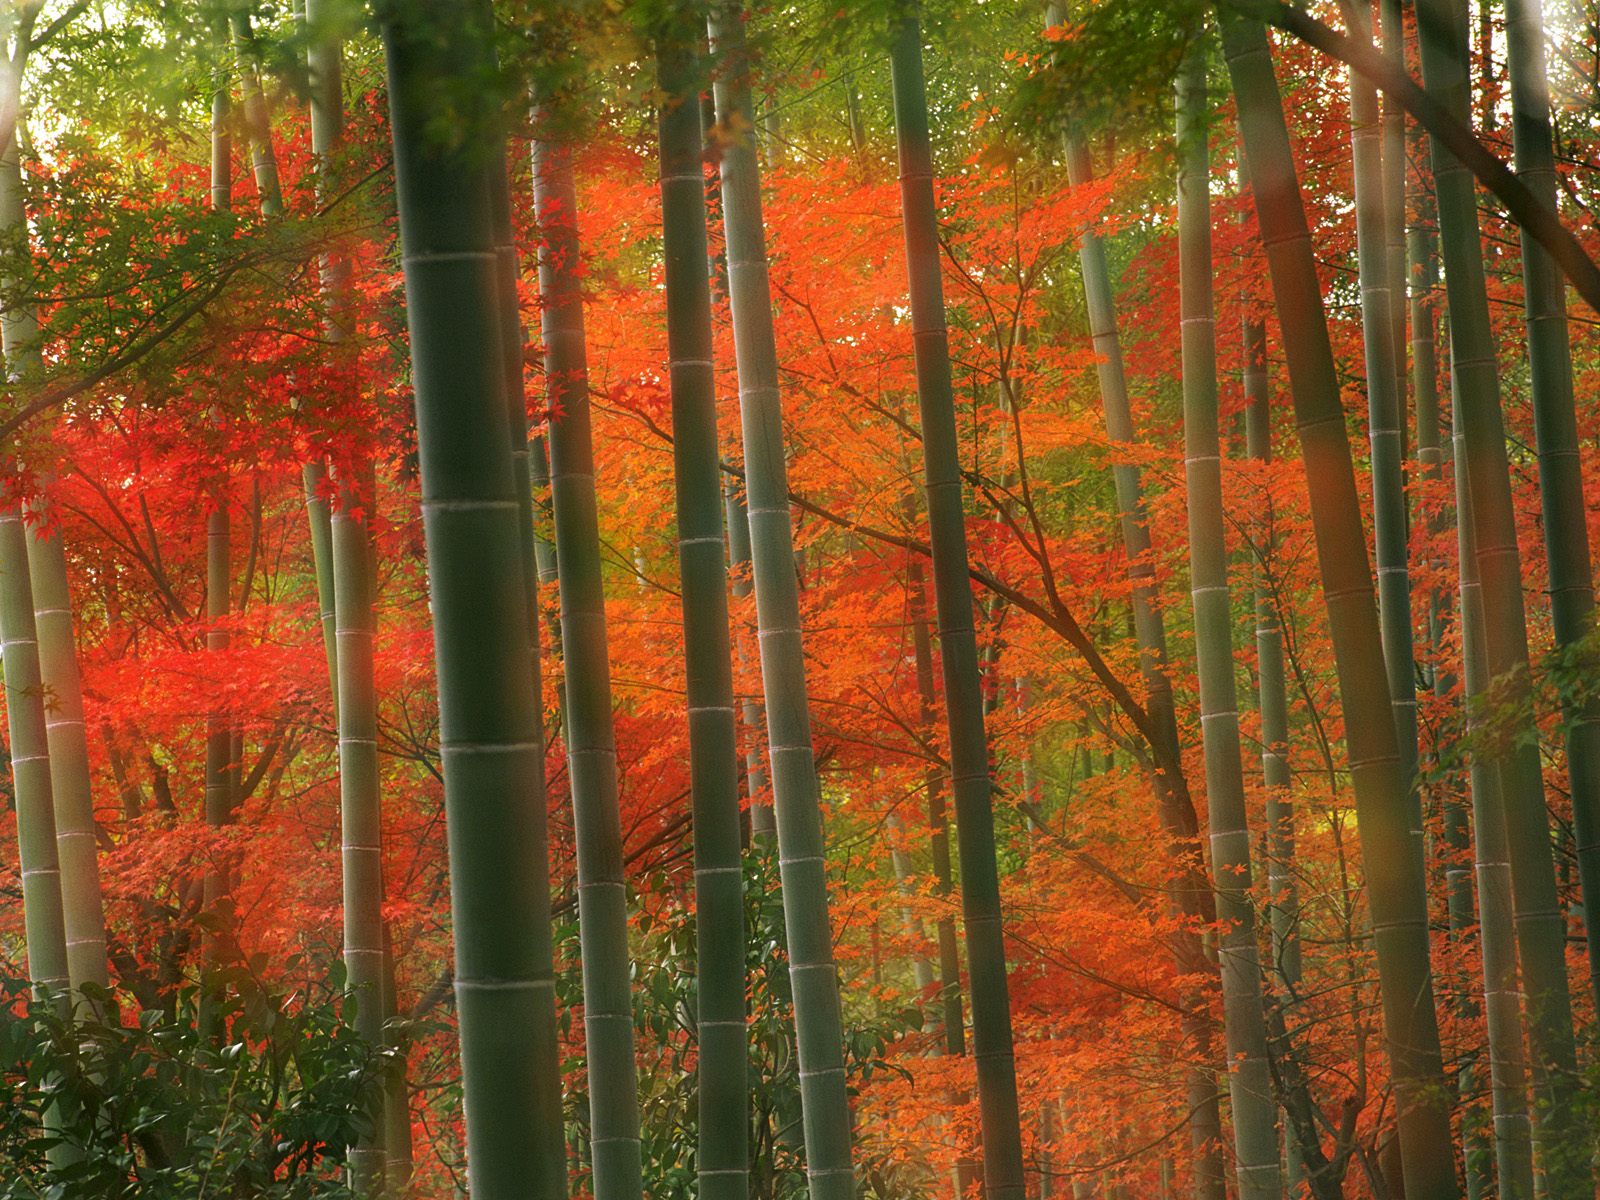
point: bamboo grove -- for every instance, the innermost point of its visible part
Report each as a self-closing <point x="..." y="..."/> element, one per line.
<point x="900" y="600"/>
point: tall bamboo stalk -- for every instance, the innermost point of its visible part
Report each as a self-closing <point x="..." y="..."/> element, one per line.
<point x="969" y="754"/>
<point x="72" y="793"/>
<point x="802" y="847"/>
<point x="219" y="800"/>
<point x="591" y="744"/>
<point x="722" y="1161"/>
<point x="952" y="1021"/>
<point x="1385" y="420"/>
<point x="1513" y="1135"/>
<point x="1456" y="839"/>
<point x="1178" y="819"/>
<point x="1540" y="923"/>
<point x="1272" y="696"/>
<point x="1566" y="531"/>
<point x="38" y="856"/>
<point x="1391" y="24"/>
<point x="1397" y="897"/>
<point x="490" y="740"/>
<point x="1255" y="1136"/>
<point x="762" y="826"/>
<point x="382" y="1160"/>
<point x="257" y="124"/>
<point x="549" y="1135"/>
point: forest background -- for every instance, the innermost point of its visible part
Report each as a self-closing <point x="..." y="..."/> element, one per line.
<point x="1291" y="859"/>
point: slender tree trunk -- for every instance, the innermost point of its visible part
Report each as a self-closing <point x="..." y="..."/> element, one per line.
<point x="952" y="1020"/>
<point x="382" y="1162"/>
<point x="490" y="737"/>
<point x="1566" y="532"/>
<point x="1456" y="831"/>
<point x="1391" y="21"/>
<point x="219" y="799"/>
<point x="37" y="851"/>
<point x="722" y="1161"/>
<point x="1513" y="1143"/>
<point x="1540" y="923"/>
<point x="762" y="826"/>
<point x="1255" y="1136"/>
<point x="550" y="1137"/>
<point x="1397" y="897"/>
<point x="1385" y="420"/>
<point x="904" y="878"/>
<point x="586" y="661"/>
<point x="1273" y="700"/>
<point x="801" y="843"/>
<point x="264" y="166"/>
<point x="1178" y="820"/>
<point x="969" y="753"/>
<point x="83" y="909"/>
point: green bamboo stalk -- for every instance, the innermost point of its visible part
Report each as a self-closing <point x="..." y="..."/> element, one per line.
<point x="1385" y="422"/>
<point x="1391" y="23"/>
<point x="1255" y="1133"/>
<point x="1540" y="922"/>
<point x="1178" y="818"/>
<point x="81" y="900"/>
<point x="952" y="1018"/>
<point x="1454" y="819"/>
<point x="1272" y="696"/>
<point x="969" y="755"/>
<point x="254" y="117"/>
<point x="72" y="792"/>
<point x="549" y="1134"/>
<point x="1272" y="685"/>
<point x="37" y="852"/>
<point x="359" y="797"/>
<point x="380" y="1163"/>
<point x="1513" y="1134"/>
<point x="762" y="825"/>
<point x="490" y="742"/>
<point x="219" y="801"/>
<point x="722" y="1159"/>
<point x="1430" y="458"/>
<point x="1566" y="531"/>
<point x="1395" y="885"/>
<point x="591" y="745"/>
<point x="325" y="132"/>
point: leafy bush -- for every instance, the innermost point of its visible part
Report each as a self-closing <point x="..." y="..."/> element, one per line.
<point x="262" y="1098"/>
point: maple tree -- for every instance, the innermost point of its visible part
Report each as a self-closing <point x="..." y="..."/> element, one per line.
<point x="527" y="529"/>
